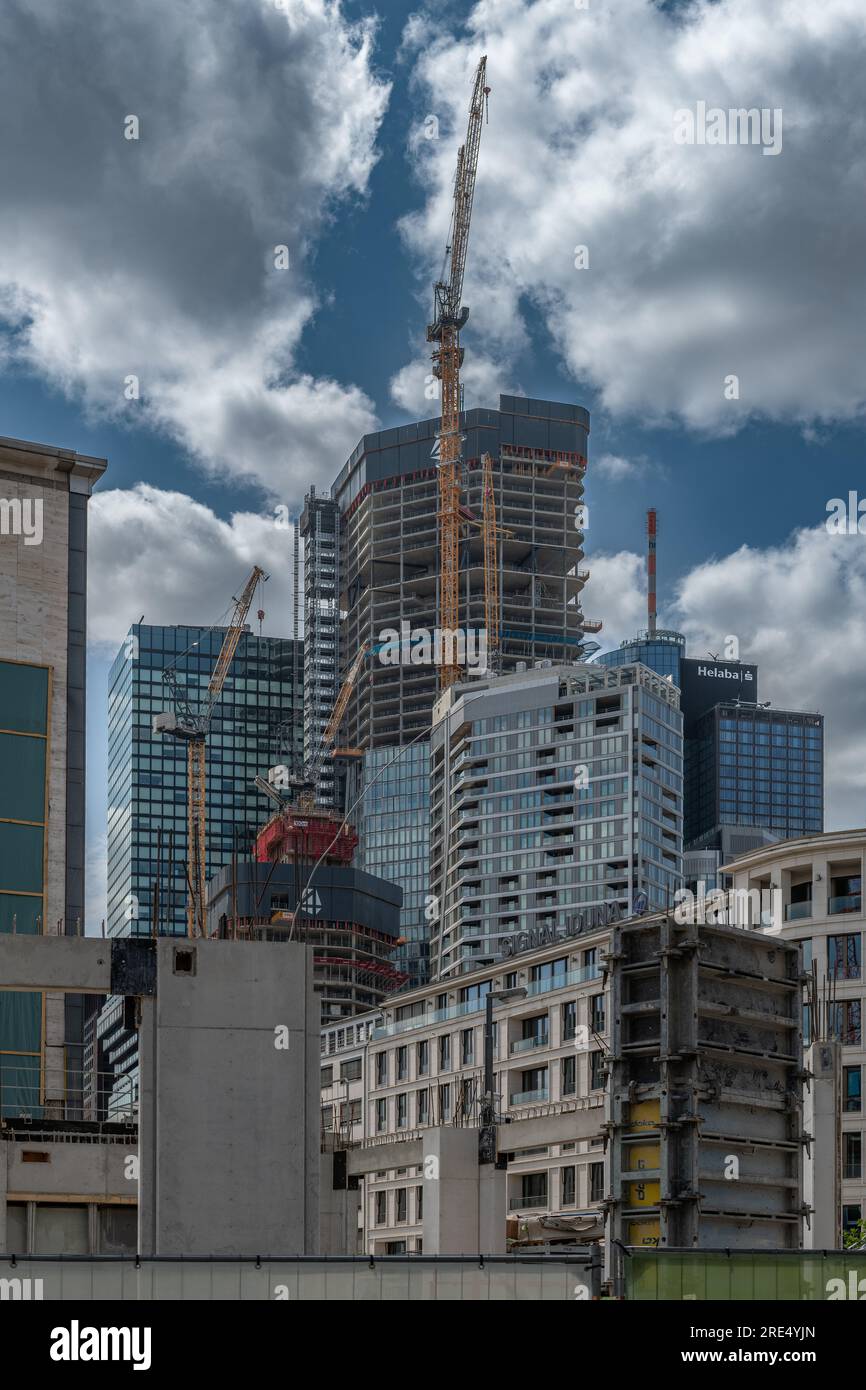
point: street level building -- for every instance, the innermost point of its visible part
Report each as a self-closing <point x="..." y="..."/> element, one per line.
<point x="818" y="880"/>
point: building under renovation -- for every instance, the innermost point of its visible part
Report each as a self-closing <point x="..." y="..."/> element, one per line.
<point x="349" y="917"/>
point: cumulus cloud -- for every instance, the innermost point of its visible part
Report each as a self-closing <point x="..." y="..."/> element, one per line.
<point x="165" y="555"/>
<point x="776" y="603"/>
<point x="704" y="261"/>
<point x="155" y="257"/>
<point x="616" y="468"/>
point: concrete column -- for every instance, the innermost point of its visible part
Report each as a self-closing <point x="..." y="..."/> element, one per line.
<point x="464" y="1202"/>
<point x="338" y="1208"/>
<point x="821" y="1167"/>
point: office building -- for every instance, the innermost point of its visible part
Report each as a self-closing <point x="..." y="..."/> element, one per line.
<point x="44" y="495"/>
<point x="258" y="722"/>
<point x="752" y="766"/>
<point x="555" y="791"/>
<point x="818" y="883"/>
<point x="662" y="651"/>
<point x="320" y="530"/>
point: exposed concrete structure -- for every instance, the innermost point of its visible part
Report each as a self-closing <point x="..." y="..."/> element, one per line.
<point x="822" y="1186"/>
<point x="705" y="1088"/>
<point x="229" y="1051"/>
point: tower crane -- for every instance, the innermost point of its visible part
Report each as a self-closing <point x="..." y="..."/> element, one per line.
<point x="449" y="317"/>
<point x="192" y="727"/>
<point x="490" y="530"/>
<point x="305" y="786"/>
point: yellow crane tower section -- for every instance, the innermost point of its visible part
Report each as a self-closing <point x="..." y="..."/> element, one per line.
<point x="449" y="316"/>
<point x="192" y="727"/>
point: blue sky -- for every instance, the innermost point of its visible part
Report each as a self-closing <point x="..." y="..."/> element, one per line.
<point x="152" y="257"/>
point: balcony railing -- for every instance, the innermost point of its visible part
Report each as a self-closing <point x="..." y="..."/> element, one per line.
<point x="526" y="1044"/>
<point x="846" y="902"/>
<point x="525" y="1203"/>
<point x="572" y="977"/>
<point x="530" y="1097"/>
<point x="795" y="912"/>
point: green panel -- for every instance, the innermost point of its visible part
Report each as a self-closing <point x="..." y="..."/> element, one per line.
<point x="19" y="1086"/>
<point x="22" y="789"/>
<point x="23" y="698"/>
<point x="21" y="858"/>
<point x="745" y="1276"/>
<point x="24" y="911"/>
<point x="20" y="1021"/>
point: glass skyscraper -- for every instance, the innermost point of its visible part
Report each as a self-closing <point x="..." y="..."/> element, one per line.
<point x="257" y="723"/>
<point x="394" y="784"/>
<point x="750" y="766"/>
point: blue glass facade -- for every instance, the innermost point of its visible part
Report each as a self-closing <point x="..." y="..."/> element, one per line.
<point x="258" y="716"/>
<point x="661" y="651"/>
<point x="759" y="767"/>
<point x="395" y="815"/>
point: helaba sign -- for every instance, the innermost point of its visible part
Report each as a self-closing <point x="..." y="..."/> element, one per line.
<point x="535" y="937"/>
<point x="744" y="674"/>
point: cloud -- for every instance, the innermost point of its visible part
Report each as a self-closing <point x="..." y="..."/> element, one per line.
<point x="615" y="468"/>
<point x="705" y="261"/>
<point x="776" y="603"/>
<point x="156" y="258"/>
<point x="416" y="390"/>
<point x="165" y="555"/>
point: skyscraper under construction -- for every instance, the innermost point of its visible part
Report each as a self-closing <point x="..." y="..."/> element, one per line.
<point x="387" y="495"/>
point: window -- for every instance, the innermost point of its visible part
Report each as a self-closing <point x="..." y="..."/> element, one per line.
<point x="327" y="1117"/>
<point x="400" y="1195"/>
<point x="402" y="1110"/>
<point x="569" y="1020"/>
<point x="402" y="1063"/>
<point x="381" y="1069"/>
<point x="590" y="958"/>
<point x="596" y="1070"/>
<point x="445" y="1052"/>
<point x="467" y="1046"/>
<point x="851" y="1215"/>
<point x="351" y="1071"/>
<point x="381" y="1116"/>
<point x="327" y="1076"/>
<point x="567" y="1179"/>
<point x="350" y="1114"/>
<point x="423" y="1108"/>
<point x="419" y="1203"/>
<point x="843" y="957"/>
<point x="423" y="1058"/>
<point x="852" y="1089"/>
<point x="568" y="1075"/>
<point x="395" y="1247"/>
<point x="852" y="1155"/>
<point x="533" y="1190"/>
<point x="844" y="893"/>
<point x="511" y="980"/>
<point x="381" y="1208"/>
<point x="549" y="970"/>
<point x="596" y="1182"/>
<point x="845" y="1022"/>
<point x="596" y="1013"/>
<point x="444" y="1104"/>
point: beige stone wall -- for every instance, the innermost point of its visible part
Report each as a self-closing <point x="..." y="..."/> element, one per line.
<point x="33" y="627"/>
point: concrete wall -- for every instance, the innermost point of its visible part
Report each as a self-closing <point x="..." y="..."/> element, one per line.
<point x="229" y="1118"/>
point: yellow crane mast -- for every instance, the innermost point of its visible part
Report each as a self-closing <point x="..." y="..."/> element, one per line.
<point x="191" y="726"/>
<point x="449" y="316"/>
